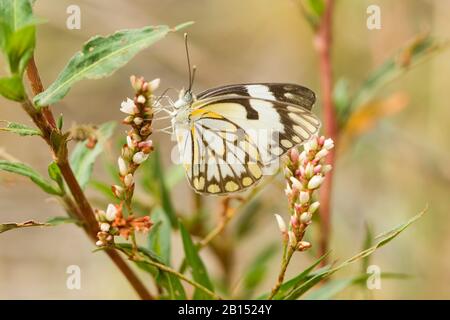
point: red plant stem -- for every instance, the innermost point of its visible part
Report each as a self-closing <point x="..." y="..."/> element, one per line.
<point x="44" y="120"/>
<point x="323" y="41"/>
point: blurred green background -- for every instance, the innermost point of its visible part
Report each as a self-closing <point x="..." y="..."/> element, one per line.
<point x="383" y="177"/>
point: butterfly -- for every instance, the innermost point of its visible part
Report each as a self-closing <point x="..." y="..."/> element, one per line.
<point x="230" y="135"/>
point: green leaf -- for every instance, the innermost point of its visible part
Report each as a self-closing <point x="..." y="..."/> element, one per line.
<point x="55" y="174"/>
<point x="257" y="270"/>
<point x="83" y="158"/>
<point x="20" y="129"/>
<point x="384" y="239"/>
<point x="334" y="287"/>
<point x="159" y="236"/>
<point x="24" y="170"/>
<point x="410" y="55"/>
<point x="163" y="191"/>
<point x="17" y="33"/>
<point x="100" y="57"/>
<point x="12" y="88"/>
<point x="195" y="262"/>
<point x="368" y="242"/>
<point x="56" y="221"/>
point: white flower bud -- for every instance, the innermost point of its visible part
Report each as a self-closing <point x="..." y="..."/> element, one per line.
<point x="327" y="168"/>
<point x="154" y="84"/>
<point x="111" y="212"/>
<point x="321" y="154"/>
<point x="104" y="226"/>
<point x="139" y="157"/>
<point x="304" y="197"/>
<point x="128" y="107"/>
<point x="311" y="145"/>
<point x="288" y="190"/>
<point x="128" y="180"/>
<point x="99" y="243"/>
<point x="122" y="166"/>
<point x="141" y="99"/>
<point x="328" y="144"/>
<point x="296" y="184"/>
<point x="309" y="170"/>
<point x="138" y="121"/>
<point x="281" y="223"/>
<point x="313" y="207"/>
<point x="130" y="143"/>
<point x="306" y="217"/>
<point x="315" y="182"/>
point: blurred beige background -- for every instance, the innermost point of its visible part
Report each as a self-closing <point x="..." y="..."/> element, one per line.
<point x="385" y="178"/>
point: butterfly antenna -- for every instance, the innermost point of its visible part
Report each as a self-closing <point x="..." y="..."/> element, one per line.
<point x="191" y="78"/>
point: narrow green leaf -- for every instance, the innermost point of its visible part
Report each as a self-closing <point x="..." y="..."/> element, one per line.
<point x="55" y="174"/>
<point x="195" y="262"/>
<point x="83" y="158"/>
<point x="384" y="239"/>
<point x="12" y="88"/>
<point x="17" y="33"/>
<point x="99" y="58"/>
<point x="159" y="236"/>
<point x="24" y="170"/>
<point x="163" y="191"/>
<point x="368" y="242"/>
<point x="56" y="221"/>
<point x="20" y="129"/>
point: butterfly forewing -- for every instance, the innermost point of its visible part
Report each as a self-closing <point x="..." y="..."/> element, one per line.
<point x="236" y="131"/>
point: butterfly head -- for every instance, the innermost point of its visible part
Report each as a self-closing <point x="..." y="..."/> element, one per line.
<point x="185" y="99"/>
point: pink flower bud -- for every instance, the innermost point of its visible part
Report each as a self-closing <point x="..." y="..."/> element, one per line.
<point x="293" y="155"/>
<point x="317" y="169"/>
<point x="294" y="222"/>
<point x="321" y="140"/>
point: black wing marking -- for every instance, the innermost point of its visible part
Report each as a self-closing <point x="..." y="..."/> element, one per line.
<point x="284" y="92"/>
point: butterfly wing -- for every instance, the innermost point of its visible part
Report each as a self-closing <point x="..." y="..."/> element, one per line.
<point x="236" y="131"/>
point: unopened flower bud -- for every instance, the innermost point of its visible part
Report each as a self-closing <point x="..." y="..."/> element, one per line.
<point x="99" y="243"/>
<point x="293" y="155"/>
<point x="281" y="224"/>
<point x="315" y="182"/>
<point x="138" y="121"/>
<point x="146" y="146"/>
<point x="104" y="227"/>
<point x="309" y="170"/>
<point x="304" y="197"/>
<point x="130" y="143"/>
<point x="154" y="84"/>
<point x="288" y="190"/>
<point x="295" y="183"/>
<point x="328" y="144"/>
<point x="128" y="180"/>
<point x="122" y="166"/>
<point x="128" y="120"/>
<point x="317" y="169"/>
<point x="321" y="140"/>
<point x="117" y="191"/>
<point x="141" y="99"/>
<point x="313" y="207"/>
<point x="139" y="157"/>
<point x="294" y="221"/>
<point x="306" y="217"/>
<point x="327" y="168"/>
<point x="321" y="154"/>
<point x="111" y="212"/>
<point x="303" y="245"/>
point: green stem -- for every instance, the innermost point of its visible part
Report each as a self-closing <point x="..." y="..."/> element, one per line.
<point x="284" y="264"/>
